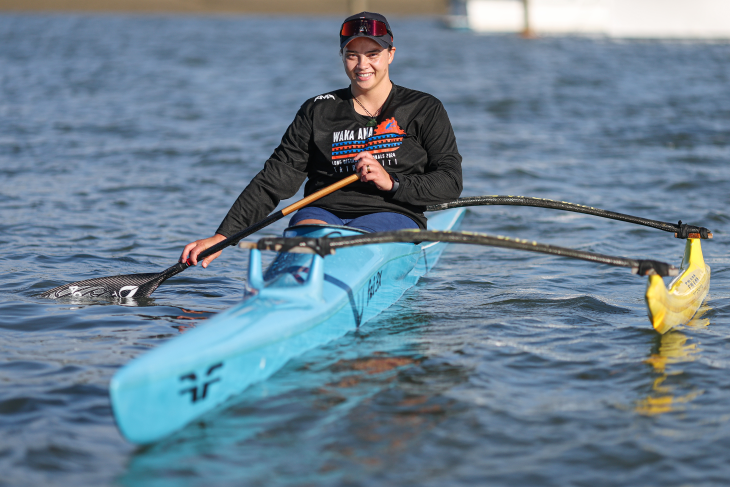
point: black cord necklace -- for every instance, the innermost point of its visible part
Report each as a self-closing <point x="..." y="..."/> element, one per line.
<point x="372" y="122"/>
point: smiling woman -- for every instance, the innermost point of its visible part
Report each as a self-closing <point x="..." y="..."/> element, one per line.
<point x="399" y="141"/>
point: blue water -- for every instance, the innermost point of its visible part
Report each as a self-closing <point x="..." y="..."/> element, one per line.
<point x="123" y="138"/>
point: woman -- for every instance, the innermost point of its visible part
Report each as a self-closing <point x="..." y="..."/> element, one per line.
<point x="399" y="141"/>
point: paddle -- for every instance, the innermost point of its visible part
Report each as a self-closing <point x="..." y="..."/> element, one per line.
<point x="326" y="246"/>
<point x="680" y="230"/>
<point x="142" y="285"/>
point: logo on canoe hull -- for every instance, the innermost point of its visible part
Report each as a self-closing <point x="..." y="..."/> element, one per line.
<point x="359" y="300"/>
<point x="198" y="392"/>
<point x="374" y="284"/>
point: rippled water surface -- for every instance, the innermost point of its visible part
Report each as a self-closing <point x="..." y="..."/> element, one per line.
<point x="123" y="138"/>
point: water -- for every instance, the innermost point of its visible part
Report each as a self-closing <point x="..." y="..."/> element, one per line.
<point x="123" y="138"/>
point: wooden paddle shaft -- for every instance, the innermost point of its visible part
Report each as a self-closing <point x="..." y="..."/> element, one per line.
<point x="145" y="284"/>
<point x="322" y="192"/>
<point x="276" y="216"/>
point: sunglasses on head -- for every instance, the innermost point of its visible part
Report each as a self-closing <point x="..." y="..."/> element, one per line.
<point x="368" y="27"/>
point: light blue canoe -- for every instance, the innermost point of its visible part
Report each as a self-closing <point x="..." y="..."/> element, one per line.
<point x="302" y="302"/>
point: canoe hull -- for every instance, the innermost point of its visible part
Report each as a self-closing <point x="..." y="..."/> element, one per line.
<point x="301" y="303"/>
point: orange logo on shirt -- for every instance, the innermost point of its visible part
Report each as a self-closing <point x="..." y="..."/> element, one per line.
<point x="389" y="126"/>
<point x="386" y="137"/>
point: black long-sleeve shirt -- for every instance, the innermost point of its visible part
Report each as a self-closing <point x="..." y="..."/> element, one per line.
<point x="413" y="139"/>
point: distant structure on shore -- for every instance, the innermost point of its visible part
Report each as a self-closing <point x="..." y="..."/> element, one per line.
<point x="677" y="19"/>
<point x="291" y="7"/>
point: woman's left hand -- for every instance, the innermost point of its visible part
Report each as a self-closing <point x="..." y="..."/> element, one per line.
<point x="371" y="170"/>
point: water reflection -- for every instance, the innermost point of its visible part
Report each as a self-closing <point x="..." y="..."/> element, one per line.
<point x="184" y="320"/>
<point x="388" y="420"/>
<point x="675" y="348"/>
<point x="361" y="413"/>
<point x="197" y="316"/>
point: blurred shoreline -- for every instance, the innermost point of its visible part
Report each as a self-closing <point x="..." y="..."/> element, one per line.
<point x="273" y="7"/>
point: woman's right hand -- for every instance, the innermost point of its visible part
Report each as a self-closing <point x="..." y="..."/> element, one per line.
<point x="191" y="250"/>
<point x="371" y="170"/>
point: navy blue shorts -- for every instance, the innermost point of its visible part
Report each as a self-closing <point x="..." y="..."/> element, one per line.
<point x="373" y="222"/>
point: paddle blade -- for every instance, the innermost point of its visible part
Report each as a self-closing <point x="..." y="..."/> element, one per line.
<point x="126" y="286"/>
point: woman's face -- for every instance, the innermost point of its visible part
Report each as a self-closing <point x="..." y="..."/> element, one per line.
<point x="366" y="63"/>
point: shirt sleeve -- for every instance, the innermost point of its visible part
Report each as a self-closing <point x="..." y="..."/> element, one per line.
<point x="442" y="179"/>
<point x="282" y="175"/>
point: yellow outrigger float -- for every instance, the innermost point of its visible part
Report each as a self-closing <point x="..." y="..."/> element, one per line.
<point x="669" y="308"/>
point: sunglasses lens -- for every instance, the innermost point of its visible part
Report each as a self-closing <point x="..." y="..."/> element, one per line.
<point x="364" y="26"/>
<point x="378" y="28"/>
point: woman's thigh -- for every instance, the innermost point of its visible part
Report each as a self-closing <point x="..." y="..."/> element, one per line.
<point x="373" y="222"/>
<point x="382" y="222"/>
<point x="314" y="213"/>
